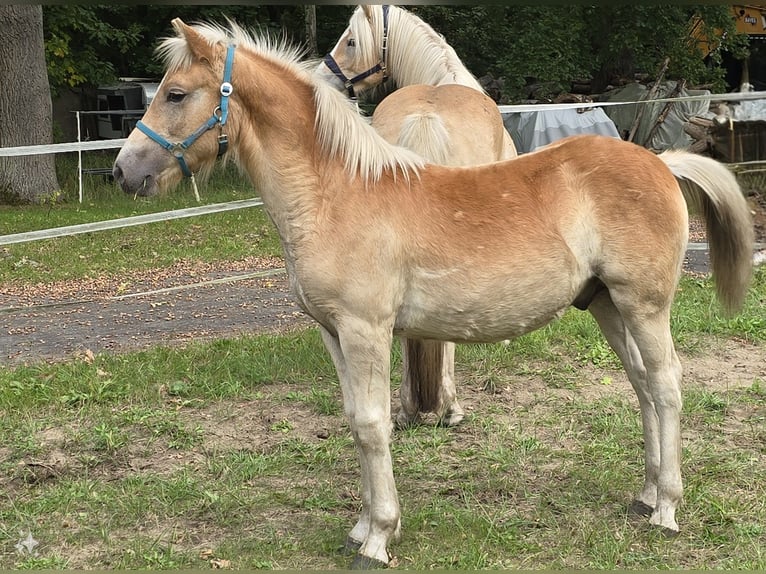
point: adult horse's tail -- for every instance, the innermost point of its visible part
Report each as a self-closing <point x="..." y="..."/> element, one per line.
<point x="712" y="190"/>
<point x="425" y="134"/>
<point x="423" y="384"/>
<point x="427" y="384"/>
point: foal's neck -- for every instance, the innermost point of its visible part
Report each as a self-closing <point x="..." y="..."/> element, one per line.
<point x="304" y="146"/>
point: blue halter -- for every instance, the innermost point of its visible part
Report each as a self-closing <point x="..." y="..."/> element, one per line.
<point x="220" y="115"/>
<point x="348" y="83"/>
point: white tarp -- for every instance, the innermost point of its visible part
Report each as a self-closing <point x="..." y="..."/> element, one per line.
<point x="533" y="130"/>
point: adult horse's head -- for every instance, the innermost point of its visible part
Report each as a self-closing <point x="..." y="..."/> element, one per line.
<point x="187" y="117"/>
<point x="359" y="60"/>
<point x="383" y="42"/>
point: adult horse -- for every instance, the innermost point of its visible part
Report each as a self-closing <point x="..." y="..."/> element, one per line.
<point x="362" y="224"/>
<point x="440" y="111"/>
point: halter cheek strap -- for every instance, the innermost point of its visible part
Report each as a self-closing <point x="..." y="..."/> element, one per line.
<point x="219" y="117"/>
<point x="349" y="82"/>
<point x="381" y="66"/>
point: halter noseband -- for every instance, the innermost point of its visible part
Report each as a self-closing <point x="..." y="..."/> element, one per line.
<point x="381" y="66"/>
<point x="219" y="117"/>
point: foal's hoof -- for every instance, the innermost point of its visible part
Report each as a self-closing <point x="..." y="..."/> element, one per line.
<point x="640" y="508"/>
<point x="366" y="563"/>
<point x="350" y="547"/>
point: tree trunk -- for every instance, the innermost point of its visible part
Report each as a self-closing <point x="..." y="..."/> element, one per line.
<point x="25" y="105"/>
<point x="311" y="30"/>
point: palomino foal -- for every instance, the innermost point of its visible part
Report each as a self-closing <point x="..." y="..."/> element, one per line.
<point x="528" y="237"/>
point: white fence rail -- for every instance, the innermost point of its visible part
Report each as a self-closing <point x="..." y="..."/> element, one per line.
<point x="127" y="221"/>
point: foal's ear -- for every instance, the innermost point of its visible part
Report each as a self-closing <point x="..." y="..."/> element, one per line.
<point x="198" y="45"/>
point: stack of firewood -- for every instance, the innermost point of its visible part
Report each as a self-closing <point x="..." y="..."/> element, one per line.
<point x="700" y="130"/>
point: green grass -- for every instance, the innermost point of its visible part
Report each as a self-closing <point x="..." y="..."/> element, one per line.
<point x="228" y="236"/>
<point x="150" y="476"/>
<point x="238" y="449"/>
<point x="544" y="491"/>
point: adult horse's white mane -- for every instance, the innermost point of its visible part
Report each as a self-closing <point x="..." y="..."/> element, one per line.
<point x="416" y="53"/>
<point x="339" y="128"/>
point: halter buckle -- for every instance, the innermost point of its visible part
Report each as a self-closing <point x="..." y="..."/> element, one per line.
<point x="227" y="89"/>
<point x="223" y="144"/>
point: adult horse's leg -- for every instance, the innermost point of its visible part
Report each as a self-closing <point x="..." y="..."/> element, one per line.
<point x="654" y="372"/>
<point x="428" y="382"/>
<point x="362" y="358"/>
<point x="451" y="412"/>
<point x="409" y="392"/>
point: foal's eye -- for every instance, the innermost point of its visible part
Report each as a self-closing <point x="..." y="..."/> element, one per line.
<point x="176" y="97"/>
<point x="351" y="43"/>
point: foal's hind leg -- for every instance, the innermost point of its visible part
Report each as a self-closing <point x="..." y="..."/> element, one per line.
<point x="655" y="374"/>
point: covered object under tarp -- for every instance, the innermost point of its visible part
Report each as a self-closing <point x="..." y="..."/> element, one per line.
<point x="535" y="129"/>
<point x="669" y="133"/>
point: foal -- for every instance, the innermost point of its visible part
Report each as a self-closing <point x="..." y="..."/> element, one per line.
<point x="590" y="221"/>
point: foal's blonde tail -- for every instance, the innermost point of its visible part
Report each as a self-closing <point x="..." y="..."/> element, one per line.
<point x="426" y="135"/>
<point x="712" y="190"/>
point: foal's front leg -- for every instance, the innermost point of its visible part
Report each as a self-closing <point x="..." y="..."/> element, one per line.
<point x="362" y="358"/>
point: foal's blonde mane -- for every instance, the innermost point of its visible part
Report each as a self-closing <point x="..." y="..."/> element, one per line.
<point x="416" y="53"/>
<point x="339" y="129"/>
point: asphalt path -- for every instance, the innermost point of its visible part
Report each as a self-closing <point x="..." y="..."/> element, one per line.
<point x="61" y="329"/>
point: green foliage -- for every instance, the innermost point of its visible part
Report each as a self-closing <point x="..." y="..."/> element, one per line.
<point x="536" y="50"/>
<point x="638" y="37"/>
<point x="81" y="40"/>
<point x="539" y="50"/>
<point x="89" y="45"/>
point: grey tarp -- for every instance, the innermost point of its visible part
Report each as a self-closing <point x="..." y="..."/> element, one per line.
<point x="532" y="130"/>
<point x="670" y="133"/>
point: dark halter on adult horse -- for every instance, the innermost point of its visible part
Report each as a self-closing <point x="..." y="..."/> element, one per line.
<point x="381" y="66"/>
<point x="439" y="110"/>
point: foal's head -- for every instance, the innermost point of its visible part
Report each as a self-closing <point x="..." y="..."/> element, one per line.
<point x="187" y="115"/>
